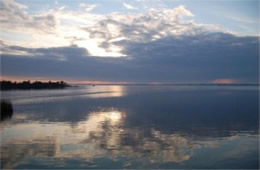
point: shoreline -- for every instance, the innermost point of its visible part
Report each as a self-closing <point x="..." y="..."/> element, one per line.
<point x="28" y="85"/>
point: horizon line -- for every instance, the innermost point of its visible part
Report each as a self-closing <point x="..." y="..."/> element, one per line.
<point x="220" y="81"/>
<point x="131" y="83"/>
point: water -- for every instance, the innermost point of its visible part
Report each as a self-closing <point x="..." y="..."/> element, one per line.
<point x="132" y="127"/>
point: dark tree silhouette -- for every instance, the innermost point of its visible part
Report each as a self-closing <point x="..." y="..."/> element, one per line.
<point x="8" y="85"/>
<point x="6" y="110"/>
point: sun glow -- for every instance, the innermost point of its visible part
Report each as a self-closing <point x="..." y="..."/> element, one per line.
<point x="93" y="48"/>
<point x="224" y="81"/>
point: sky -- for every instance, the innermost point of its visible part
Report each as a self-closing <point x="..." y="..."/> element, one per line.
<point x="130" y="41"/>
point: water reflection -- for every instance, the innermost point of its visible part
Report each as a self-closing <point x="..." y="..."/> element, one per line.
<point x="40" y="96"/>
<point x="101" y="134"/>
<point x="107" y="91"/>
<point x="105" y="133"/>
<point x="14" y="153"/>
<point x="156" y="129"/>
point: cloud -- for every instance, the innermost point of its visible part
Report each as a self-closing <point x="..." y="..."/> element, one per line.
<point x="97" y="33"/>
<point x="54" y="53"/>
<point x="128" y="6"/>
<point x="14" y="16"/>
<point x="200" y="58"/>
<point x="148" y="26"/>
<point x="183" y="11"/>
<point x="157" y="45"/>
<point x="88" y="7"/>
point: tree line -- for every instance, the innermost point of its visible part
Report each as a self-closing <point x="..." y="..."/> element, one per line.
<point x="9" y="85"/>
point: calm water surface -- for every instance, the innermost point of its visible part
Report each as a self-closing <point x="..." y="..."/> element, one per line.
<point x="132" y="127"/>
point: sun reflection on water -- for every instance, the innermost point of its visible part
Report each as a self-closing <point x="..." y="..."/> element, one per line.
<point x="107" y="91"/>
<point x="85" y="91"/>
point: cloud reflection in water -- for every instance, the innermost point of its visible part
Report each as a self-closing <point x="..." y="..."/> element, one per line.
<point x="102" y="134"/>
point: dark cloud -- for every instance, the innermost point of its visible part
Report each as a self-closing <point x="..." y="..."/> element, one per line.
<point x="198" y="58"/>
<point x="201" y="57"/>
<point x="54" y="53"/>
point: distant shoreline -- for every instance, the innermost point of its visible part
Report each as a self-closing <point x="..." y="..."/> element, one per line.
<point x="38" y="85"/>
<point x="172" y="84"/>
<point x="28" y="85"/>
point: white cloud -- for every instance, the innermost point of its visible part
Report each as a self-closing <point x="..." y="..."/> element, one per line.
<point x="183" y="11"/>
<point x="88" y="7"/>
<point x="140" y="27"/>
<point x="14" y="16"/>
<point x="99" y="34"/>
<point x="13" y="4"/>
<point x="128" y="6"/>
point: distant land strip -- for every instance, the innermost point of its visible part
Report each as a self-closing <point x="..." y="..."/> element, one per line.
<point x="9" y="85"/>
<point x="177" y="84"/>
